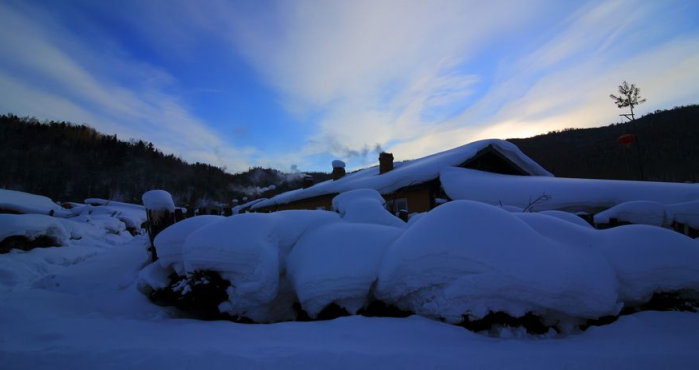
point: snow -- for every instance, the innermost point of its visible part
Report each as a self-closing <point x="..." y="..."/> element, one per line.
<point x="407" y="173"/>
<point x="652" y="213"/>
<point x="338" y="164"/>
<point x="636" y="212"/>
<point x="456" y="261"/>
<point x="245" y="206"/>
<point x="169" y="242"/>
<point x="82" y="305"/>
<point x="20" y="202"/>
<point x="650" y="259"/>
<point x="92" y="315"/>
<point x="338" y="263"/>
<point x="571" y="195"/>
<point x="685" y="213"/>
<point x="132" y="215"/>
<point x="158" y="200"/>
<point x="365" y="206"/>
<point x="250" y="251"/>
<point x="33" y="227"/>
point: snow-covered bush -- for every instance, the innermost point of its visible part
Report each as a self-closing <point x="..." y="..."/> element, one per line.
<point x="365" y="206"/>
<point x="338" y="263"/>
<point x="29" y="231"/>
<point x="463" y="262"/>
<point x="467" y="259"/>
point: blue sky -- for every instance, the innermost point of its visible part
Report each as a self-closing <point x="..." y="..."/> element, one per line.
<point x="296" y="84"/>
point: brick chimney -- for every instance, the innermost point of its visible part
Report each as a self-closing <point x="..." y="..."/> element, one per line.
<point x="307" y="181"/>
<point x="385" y="162"/>
<point x="338" y="169"/>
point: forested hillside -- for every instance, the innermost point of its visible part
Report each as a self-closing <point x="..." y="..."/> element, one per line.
<point x="73" y="162"/>
<point x="667" y="140"/>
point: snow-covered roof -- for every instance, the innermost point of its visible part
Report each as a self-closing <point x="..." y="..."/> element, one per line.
<point x="573" y="195"/>
<point x="408" y="173"/>
<point x="243" y="207"/>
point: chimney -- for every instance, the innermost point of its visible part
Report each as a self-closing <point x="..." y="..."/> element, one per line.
<point x="385" y="162"/>
<point x="338" y="169"/>
<point x="307" y="181"/>
<point x="270" y="191"/>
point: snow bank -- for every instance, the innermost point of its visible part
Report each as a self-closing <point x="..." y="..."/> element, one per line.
<point x="338" y="263"/>
<point x="250" y="251"/>
<point x="637" y="212"/>
<point x="365" y="206"/>
<point x="650" y="259"/>
<point x="653" y="213"/>
<point x="456" y="260"/>
<point x="169" y="242"/>
<point x="20" y="202"/>
<point x="33" y="227"/>
<point x="572" y="195"/>
<point x="132" y="215"/>
<point x="158" y="200"/>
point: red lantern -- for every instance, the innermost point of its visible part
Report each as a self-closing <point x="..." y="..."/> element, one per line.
<point x="626" y="139"/>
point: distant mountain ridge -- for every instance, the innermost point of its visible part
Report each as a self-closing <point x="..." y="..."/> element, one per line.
<point x="70" y="162"/>
<point x="668" y="140"/>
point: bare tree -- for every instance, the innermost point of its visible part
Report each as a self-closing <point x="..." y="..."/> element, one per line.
<point x="630" y="96"/>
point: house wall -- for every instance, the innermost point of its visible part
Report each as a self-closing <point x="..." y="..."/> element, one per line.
<point x="418" y="200"/>
<point x="313" y="203"/>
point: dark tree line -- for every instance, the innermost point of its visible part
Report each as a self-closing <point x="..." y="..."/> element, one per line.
<point x="70" y="162"/>
<point x="669" y="150"/>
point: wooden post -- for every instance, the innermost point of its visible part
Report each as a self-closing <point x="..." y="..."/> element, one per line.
<point x="160" y="212"/>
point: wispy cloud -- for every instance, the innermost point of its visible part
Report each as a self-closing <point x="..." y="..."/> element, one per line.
<point x="56" y="76"/>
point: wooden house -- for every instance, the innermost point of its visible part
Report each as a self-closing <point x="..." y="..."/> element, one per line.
<point x="408" y="186"/>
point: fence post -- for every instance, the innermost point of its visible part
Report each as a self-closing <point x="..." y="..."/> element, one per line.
<point x="160" y="211"/>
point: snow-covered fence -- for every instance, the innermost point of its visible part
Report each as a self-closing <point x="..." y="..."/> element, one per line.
<point x="160" y="210"/>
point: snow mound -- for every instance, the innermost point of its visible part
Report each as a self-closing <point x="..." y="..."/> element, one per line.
<point x="33" y="227"/>
<point x="650" y="259"/>
<point x="158" y="200"/>
<point x="456" y="260"/>
<point x="338" y="263"/>
<point x="250" y="251"/>
<point x="637" y="212"/>
<point x="169" y="242"/>
<point x="685" y="213"/>
<point x="566" y="216"/>
<point x="365" y="206"/>
<point x="132" y="215"/>
<point x="20" y="202"/>
<point x="571" y="195"/>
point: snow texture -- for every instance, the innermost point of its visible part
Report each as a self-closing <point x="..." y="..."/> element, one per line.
<point x="33" y="227"/>
<point x="571" y="195"/>
<point x="456" y="260"/>
<point x="20" y="202"/>
<point x="652" y="213"/>
<point x="158" y="200"/>
<point x="169" y="242"/>
<point x="407" y="173"/>
<point x="338" y="263"/>
<point x="365" y="206"/>
<point x="250" y="251"/>
<point x="338" y="164"/>
<point x="132" y="215"/>
<point x="636" y="212"/>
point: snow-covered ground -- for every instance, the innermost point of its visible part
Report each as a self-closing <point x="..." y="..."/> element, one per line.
<point x="91" y="315"/>
<point x="83" y="305"/>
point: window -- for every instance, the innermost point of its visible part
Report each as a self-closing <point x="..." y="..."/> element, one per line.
<point x="395" y="206"/>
